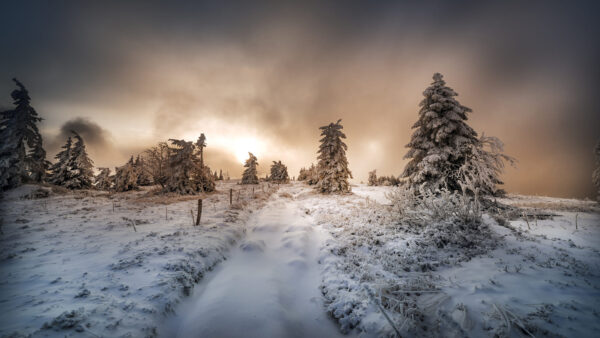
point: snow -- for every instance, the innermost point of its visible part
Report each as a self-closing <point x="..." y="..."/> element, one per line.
<point x="270" y="285"/>
<point x="73" y="253"/>
<point x="287" y="260"/>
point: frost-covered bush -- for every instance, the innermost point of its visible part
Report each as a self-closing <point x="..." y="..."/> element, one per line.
<point x="103" y="180"/>
<point x="423" y="207"/>
<point x="126" y="177"/>
<point x="310" y="175"/>
<point x="279" y="173"/>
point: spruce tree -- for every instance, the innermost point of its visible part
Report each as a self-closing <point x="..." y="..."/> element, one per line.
<point x="81" y="167"/>
<point x="22" y="156"/>
<point x="103" y="181"/>
<point x="373" y="178"/>
<point x="181" y="166"/>
<point x="250" y="175"/>
<point x="442" y="140"/>
<point x="126" y="177"/>
<point x="202" y="178"/>
<point x="60" y="171"/>
<point x="332" y="169"/>
<point x="220" y="174"/>
<point x="279" y="173"/>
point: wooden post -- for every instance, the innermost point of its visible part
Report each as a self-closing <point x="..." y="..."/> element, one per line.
<point x="576" y="221"/>
<point x="230" y="196"/>
<point x="199" y="215"/>
<point x="166" y="214"/>
<point x="252" y="192"/>
<point x="192" y="213"/>
<point x="113" y="206"/>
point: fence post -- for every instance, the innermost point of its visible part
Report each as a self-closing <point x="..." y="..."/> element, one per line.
<point x="230" y="196"/>
<point x="199" y="211"/>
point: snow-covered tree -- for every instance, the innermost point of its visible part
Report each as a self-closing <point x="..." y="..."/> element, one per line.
<point x="250" y="175"/>
<point x="202" y="179"/>
<point x="103" y="181"/>
<point x="596" y="174"/>
<point x="279" y="173"/>
<point x="220" y="174"/>
<point x="333" y="172"/>
<point x="187" y="172"/>
<point x="373" y="178"/>
<point x="143" y="175"/>
<point x="442" y="140"/>
<point x="126" y="177"/>
<point x="483" y="165"/>
<point x="22" y="156"/>
<point x="80" y="166"/>
<point x="182" y="164"/>
<point x="157" y="163"/>
<point x="60" y="171"/>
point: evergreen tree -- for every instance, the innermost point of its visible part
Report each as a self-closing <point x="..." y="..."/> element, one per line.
<point x="596" y="174"/>
<point x="442" y="140"/>
<point x="22" y="156"/>
<point x="181" y="166"/>
<point x="60" y="171"/>
<point x="126" y="177"/>
<point x="202" y="178"/>
<point x="80" y="166"/>
<point x="250" y="175"/>
<point x="373" y="178"/>
<point x="279" y="173"/>
<point x="332" y="170"/>
<point x="103" y="180"/>
<point x="220" y="174"/>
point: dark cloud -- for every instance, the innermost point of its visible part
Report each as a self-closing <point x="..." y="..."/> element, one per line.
<point x="279" y="70"/>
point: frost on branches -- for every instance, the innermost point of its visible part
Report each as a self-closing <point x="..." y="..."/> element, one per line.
<point x="279" y="173"/>
<point x="80" y="166"/>
<point x="250" y="175"/>
<point x="186" y="172"/>
<point x="596" y="174"/>
<point x="445" y="152"/>
<point x="143" y="176"/>
<point x="309" y="175"/>
<point x="126" y="177"/>
<point x="22" y="156"/>
<point x="103" y="180"/>
<point x="60" y="169"/>
<point x="442" y="139"/>
<point x="332" y="169"/>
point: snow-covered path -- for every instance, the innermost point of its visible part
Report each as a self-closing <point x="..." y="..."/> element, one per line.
<point x="268" y="288"/>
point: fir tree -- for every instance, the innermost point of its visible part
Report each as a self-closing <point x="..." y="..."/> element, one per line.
<point x="80" y="166"/>
<point x="202" y="178"/>
<point x="442" y="140"/>
<point x="60" y="171"/>
<point x="373" y="178"/>
<point x="181" y="166"/>
<point x="126" y="177"/>
<point x="103" y="181"/>
<point x="332" y="170"/>
<point x="250" y="175"/>
<point x="279" y="173"/>
<point x="220" y="174"/>
<point x="22" y="156"/>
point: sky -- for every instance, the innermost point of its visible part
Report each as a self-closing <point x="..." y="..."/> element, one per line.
<point x="262" y="76"/>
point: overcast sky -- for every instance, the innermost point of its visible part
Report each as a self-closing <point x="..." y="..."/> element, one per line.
<point x="263" y="76"/>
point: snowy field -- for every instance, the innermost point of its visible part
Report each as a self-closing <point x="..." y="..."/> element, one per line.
<point x="288" y="262"/>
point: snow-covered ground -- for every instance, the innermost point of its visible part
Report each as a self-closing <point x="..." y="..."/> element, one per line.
<point x="73" y="264"/>
<point x="284" y="261"/>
